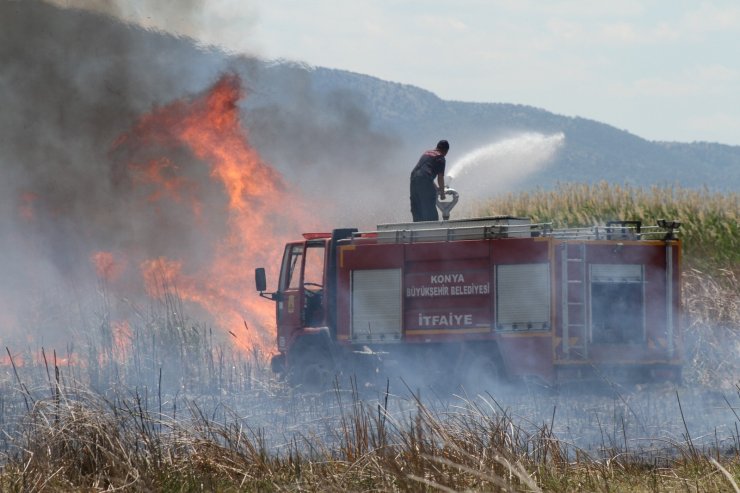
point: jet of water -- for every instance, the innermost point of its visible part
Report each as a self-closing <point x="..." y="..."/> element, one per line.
<point x="497" y="166"/>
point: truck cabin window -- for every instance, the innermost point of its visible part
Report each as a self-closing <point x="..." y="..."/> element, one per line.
<point x="313" y="284"/>
<point x="290" y="275"/>
<point x="313" y="277"/>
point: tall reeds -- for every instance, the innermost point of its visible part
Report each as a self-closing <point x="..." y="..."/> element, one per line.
<point x="710" y="222"/>
<point x="82" y="441"/>
<point x="178" y="410"/>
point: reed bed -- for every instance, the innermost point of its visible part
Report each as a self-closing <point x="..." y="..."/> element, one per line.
<point x="178" y="409"/>
<point x="250" y="432"/>
<point x="710" y="222"/>
<point x="711" y="307"/>
<point x="77" y="440"/>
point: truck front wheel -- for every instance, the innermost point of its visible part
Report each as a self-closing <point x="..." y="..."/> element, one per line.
<point x="277" y="363"/>
<point x="311" y="368"/>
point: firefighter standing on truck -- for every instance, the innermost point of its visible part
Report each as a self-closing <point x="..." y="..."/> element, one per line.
<point x="423" y="191"/>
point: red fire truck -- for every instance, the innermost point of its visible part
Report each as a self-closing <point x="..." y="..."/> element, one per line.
<point x="496" y="296"/>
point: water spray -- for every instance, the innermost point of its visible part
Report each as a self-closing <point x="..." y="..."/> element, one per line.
<point x="497" y="165"/>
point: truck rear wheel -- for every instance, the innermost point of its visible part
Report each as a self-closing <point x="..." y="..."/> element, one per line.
<point x="483" y="372"/>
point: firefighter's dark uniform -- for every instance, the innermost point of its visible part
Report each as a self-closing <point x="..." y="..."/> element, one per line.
<point x="423" y="191"/>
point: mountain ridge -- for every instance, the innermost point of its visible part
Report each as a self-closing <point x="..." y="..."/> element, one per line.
<point x="100" y="73"/>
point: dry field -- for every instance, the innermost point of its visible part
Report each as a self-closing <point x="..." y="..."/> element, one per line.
<point x="179" y="410"/>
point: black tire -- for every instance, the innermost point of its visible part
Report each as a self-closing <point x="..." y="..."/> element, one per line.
<point x="311" y="368"/>
<point x="277" y="364"/>
<point x="483" y="372"/>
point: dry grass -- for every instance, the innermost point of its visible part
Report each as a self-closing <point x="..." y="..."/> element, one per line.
<point x="75" y="440"/>
<point x="712" y="327"/>
<point x="180" y="412"/>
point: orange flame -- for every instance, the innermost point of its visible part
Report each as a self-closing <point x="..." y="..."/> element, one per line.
<point x="40" y="357"/>
<point x="261" y="209"/>
<point x="107" y="267"/>
<point x="162" y="173"/>
<point x="26" y="206"/>
<point x="121" y="331"/>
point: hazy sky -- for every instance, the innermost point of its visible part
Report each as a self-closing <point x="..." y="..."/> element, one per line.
<point x="662" y="69"/>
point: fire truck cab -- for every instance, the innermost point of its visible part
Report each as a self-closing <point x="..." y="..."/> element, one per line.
<point x="495" y="298"/>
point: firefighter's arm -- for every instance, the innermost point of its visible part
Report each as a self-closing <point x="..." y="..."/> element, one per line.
<point x="441" y="185"/>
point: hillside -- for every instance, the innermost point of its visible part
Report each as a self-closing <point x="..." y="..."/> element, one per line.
<point x="74" y="81"/>
<point x="594" y="151"/>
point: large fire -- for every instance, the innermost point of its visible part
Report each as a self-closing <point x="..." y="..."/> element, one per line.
<point x="260" y="211"/>
<point x="189" y="210"/>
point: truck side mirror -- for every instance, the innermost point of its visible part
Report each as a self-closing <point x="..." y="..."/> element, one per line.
<point x="260" y="279"/>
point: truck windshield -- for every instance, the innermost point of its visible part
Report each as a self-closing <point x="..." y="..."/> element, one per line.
<point x="290" y="274"/>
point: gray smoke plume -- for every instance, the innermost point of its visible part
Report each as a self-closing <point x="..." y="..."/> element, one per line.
<point x="181" y="15"/>
<point x="217" y="23"/>
<point x="324" y="141"/>
<point x="74" y="81"/>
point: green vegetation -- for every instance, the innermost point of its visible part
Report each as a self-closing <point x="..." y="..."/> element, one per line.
<point x="710" y="222"/>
